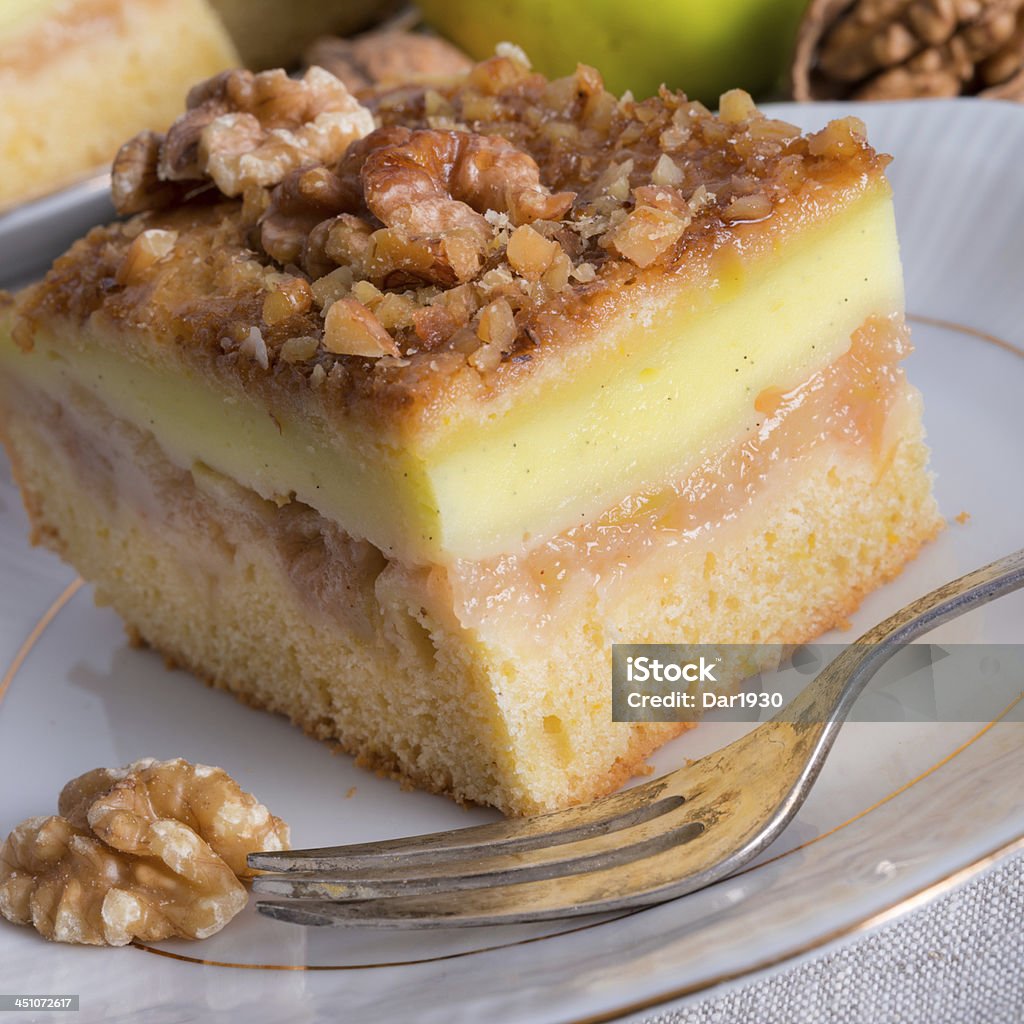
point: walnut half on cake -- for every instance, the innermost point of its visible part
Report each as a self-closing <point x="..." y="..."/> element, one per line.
<point x="394" y="420"/>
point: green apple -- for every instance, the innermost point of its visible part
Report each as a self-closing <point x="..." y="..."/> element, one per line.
<point x="701" y="46"/>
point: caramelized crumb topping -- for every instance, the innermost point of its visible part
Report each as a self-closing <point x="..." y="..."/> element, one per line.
<point x="438" y="230"/>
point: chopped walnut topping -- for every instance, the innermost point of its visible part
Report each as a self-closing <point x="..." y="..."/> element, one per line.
<point x="350" y="329"/>
<point x="345" y="240"/>
<point x="701" y="198"/>
<point x="145" y="852"/>
<point x="486" y="357"/>
<point x="147" y="248"/>
<point x="254" y="346"/>
<point x="430" y="184"/>
<point x="838" y="139"/>
<point x="134" y="181"/>
<point x="331" y="287"/>
<point x="290" y="297"/>
<point x="556" y="277"/>
<point x="736" y="106"/>
<point x="314" y="123"/>
<point x="646" y="234"/>
<point x="510" y="51"/>
<point x="497" y="325"/>
<point x="243" y="130"/>
<point x="305" y="200"/>
<point x="529" y="252"/>
<point x="771" y="128"/>
<point x="367" y="293"/>
<point x="299" y="350"/>
<point x="494" y="202"/>
<point x="745" y="208"/>
<point x="395" y="310"/>
<point x="676" y="134"/>
<point x="666" y="171"/>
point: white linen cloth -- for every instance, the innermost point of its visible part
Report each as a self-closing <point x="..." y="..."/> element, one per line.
<point x="958" y="960"/>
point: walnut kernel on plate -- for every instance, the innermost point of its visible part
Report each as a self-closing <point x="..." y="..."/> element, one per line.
<point x="150" y="851"/>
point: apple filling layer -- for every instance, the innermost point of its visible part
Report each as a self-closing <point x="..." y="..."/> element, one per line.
<point x="843" y="409"/>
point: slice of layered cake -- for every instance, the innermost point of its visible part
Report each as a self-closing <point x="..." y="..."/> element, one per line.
<point x="395" y="421"/>
<point x="78" y="76"/>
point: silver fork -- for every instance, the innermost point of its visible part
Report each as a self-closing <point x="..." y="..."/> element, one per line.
<point x="652" y="843"/>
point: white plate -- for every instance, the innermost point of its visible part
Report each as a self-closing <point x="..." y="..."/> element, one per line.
<point x="900" y="813"/>
<point x="32" y="234"/>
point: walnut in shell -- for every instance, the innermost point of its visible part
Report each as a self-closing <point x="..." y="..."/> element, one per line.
<point x="146" y="852"/>
<point x="891" y="49"/>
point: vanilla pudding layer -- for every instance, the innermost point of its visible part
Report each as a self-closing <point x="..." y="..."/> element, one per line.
<point x="489" y="679"/>
<point x="631" y="398"/>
